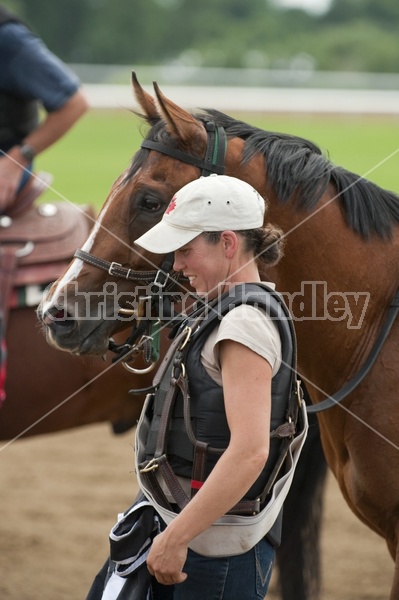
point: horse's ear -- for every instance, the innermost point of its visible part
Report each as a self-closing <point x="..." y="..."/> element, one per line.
<point x="178" y="121"/>
<point x="146" y="101"/>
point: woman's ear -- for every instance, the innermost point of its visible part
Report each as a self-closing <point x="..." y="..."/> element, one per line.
<point x="229" y="240"/>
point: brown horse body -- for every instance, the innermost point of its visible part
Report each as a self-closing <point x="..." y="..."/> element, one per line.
<point x="49" y="391"/>
<point x="338" y="278"/>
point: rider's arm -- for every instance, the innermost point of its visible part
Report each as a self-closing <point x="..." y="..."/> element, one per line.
<point x="54" y="126"/>
<point x="30" y="70"/>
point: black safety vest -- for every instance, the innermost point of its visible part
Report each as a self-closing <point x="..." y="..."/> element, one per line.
<point x="208" y="416"/>
<point x="18" y="115"/>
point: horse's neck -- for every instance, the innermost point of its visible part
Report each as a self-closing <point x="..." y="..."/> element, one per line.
<point x="338" y="288"/>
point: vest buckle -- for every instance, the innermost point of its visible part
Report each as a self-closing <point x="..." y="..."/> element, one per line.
<point x="150" y="466"/>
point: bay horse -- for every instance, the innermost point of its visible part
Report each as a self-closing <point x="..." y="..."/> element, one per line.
<point x="49" y="391"/>
<point x="339" y="273"/>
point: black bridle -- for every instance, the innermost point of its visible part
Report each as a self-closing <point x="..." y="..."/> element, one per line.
<point x="164" y="279"/>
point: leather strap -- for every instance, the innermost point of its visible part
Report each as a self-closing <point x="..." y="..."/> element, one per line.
<point x="214" y="155"/>
<point x="115" y="269"/>
<point x="156" y="490"/>
<point x="178" y="341"/>
<point x="167" y="408"/>
<point x="8" y="266"/>
<point x="179" y="495"/>
<point x="198" y="473"/>
<point x="34" y="187"/>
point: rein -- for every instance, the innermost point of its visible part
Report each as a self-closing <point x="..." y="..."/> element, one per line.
<point x="361" y="374"/>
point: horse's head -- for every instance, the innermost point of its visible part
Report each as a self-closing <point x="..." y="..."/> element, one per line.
<point x="82" y="310"/>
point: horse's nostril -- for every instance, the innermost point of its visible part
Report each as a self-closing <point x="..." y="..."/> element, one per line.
<point x="57" y="318"/>
<point x="60" y="315"/>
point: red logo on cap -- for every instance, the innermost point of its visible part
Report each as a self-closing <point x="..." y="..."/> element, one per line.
<point x="171" y="206"/>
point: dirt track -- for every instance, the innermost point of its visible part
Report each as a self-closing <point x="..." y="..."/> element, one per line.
<point x="60" y="495"/>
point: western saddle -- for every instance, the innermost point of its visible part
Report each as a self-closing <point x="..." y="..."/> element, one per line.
<point x="37" y="241"/>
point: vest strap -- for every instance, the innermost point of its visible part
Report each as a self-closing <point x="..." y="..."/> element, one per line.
<point x="198" y="473"/>
<point x="179" y="495"/>
<point x="153" y="485"/>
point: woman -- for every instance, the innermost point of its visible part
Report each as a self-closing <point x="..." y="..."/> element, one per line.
<point x="214" y="225"/>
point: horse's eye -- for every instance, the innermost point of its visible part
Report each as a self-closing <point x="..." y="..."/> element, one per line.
<point x="152" y="204"/>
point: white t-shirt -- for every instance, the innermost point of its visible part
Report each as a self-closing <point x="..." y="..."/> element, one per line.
<point x="246" y="325"/>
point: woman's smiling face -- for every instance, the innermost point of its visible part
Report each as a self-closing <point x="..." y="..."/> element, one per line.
<point x="204" y="264"/>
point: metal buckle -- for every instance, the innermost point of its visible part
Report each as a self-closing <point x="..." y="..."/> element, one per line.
<point x="139" y="312"/>
<point x="112" y="267"/>
<point x="299" y="391"/>
<point x="150" y="466"/>
<point x="134" y="352"/>
<point x="188" y="331"/>
<point x="157" y="278"/>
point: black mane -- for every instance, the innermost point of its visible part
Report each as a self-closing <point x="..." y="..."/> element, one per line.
<point x="298" y="171"/>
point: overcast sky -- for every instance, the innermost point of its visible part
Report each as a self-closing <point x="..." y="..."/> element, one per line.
<point x="315" y="6"/>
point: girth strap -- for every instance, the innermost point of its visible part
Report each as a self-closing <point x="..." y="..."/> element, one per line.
<point x="8" y="266"/>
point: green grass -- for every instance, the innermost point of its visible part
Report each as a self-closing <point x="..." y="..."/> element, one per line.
<point x="90" y="157"/>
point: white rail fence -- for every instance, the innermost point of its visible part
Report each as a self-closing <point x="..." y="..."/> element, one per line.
<point x="257" y="90"/>
<point x="256" y="99"/>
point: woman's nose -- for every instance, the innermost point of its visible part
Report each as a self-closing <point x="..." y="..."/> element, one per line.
<point x="177" y="264"/>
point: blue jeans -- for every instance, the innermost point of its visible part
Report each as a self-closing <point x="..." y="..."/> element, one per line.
<point x="242" y="577"/>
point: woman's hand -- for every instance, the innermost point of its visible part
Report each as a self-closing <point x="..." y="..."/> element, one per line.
<point x="166" y="559"/>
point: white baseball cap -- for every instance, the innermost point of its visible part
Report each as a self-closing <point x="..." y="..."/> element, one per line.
<point x="214" y="203"/>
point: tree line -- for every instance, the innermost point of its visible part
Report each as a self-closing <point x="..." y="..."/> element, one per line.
<point x="353" y="35"/>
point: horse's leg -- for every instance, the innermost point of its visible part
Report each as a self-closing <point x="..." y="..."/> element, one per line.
<point x="395" y="585"/>
<point x="298" y="558"/>
<point x="394" y="551"/>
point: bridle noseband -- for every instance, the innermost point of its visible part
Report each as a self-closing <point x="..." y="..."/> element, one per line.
<point x="165" y="279"/>
<point x="164" y="274"/>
